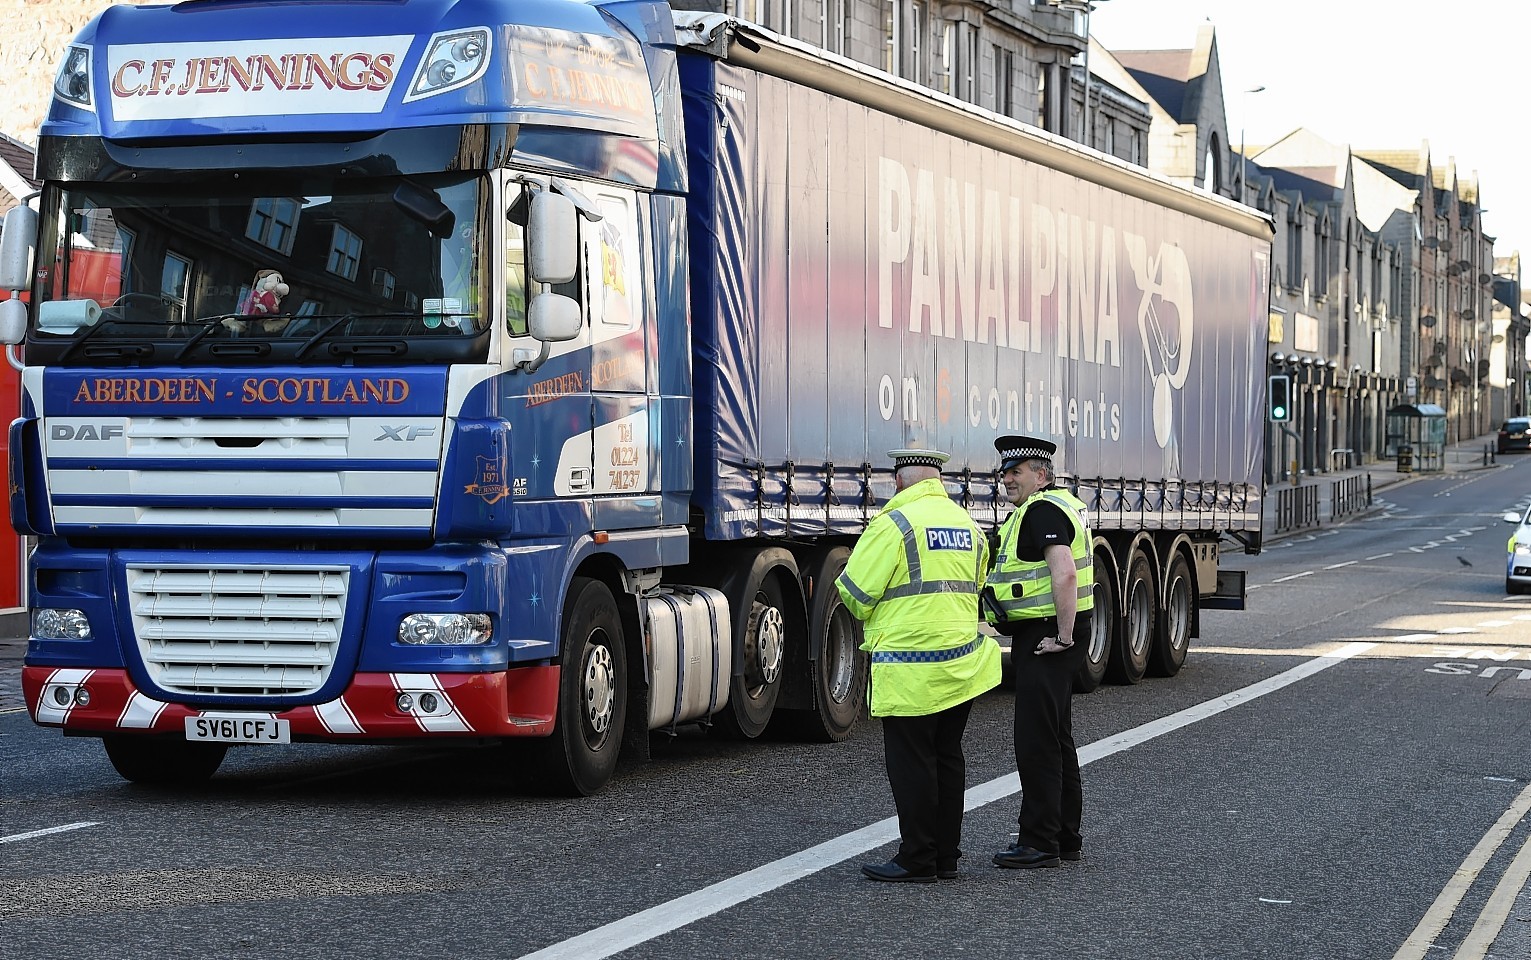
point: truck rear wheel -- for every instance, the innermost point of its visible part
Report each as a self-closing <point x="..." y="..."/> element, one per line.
<point x="1103" y="630"/>
<point x="1172" y="639"/>
<point x="581" y="754"/>
<point x="1130" y="660"/>
<point x="156" y="761"/>
<point x="839" y="671"/>
<point x="761" y="622"/>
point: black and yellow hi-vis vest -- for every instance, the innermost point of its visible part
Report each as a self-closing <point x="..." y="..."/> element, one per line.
<point x="1023" y="589"/>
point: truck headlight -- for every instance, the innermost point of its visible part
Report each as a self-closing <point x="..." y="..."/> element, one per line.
<point x="53" y="624"/>
<point x="448" y="629"/>
<point x="73" y="81"/>
<point x="452" y="60"/>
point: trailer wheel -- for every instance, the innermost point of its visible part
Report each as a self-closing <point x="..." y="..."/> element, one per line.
<point x="1135" y="641"/>
<point x="156" y="761"/>
<point x="1172" y="639"/>
<point x="839" y="671"/>
<point x="761" y="615"/>
<point x="1103" y="631"/>
<point x="581" y="754"/>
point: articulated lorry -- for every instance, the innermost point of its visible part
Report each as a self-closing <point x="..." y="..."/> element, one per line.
<point x="523" y="372"/>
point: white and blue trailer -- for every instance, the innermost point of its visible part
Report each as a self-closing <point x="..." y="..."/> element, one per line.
<point x="590" y="326"/>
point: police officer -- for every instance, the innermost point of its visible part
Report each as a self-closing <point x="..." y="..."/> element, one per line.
<point x="914" y="579"/>
<point x="1040" y="593"/>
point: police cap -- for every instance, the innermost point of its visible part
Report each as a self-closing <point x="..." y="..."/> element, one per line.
<point x="918" y="458"/>
<point x="1018" y="449"/>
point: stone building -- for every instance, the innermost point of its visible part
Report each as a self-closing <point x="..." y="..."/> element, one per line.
<point x="1335" y="285"/>
<point x="1454" y="276"/>
<point x="1014" y="57"/>
<point x="1188" y="132"/>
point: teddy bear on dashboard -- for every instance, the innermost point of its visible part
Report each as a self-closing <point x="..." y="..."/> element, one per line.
<point x="263" y="300"/>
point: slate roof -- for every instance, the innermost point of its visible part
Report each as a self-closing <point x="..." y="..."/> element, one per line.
<point x="1163" y="74"/>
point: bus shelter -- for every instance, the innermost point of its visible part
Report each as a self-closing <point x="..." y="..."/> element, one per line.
<point x="1416" y="436"/>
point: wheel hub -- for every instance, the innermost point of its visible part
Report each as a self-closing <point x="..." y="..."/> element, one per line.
<point x="599" y="689"/>
<point x="767" y="641"/>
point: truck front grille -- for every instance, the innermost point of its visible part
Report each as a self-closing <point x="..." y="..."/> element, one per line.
<point x="235" y="632"/>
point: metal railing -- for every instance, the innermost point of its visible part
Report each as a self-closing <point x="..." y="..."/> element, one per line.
<point x="1349" y="496"/>
<point x="1296" y="507"/>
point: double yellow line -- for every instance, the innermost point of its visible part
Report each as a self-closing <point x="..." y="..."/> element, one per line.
<point x="1496" y="911"/>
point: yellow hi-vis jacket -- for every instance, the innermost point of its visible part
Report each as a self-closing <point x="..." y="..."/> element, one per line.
<point x="1023" y="590"/>
<point x="914" y="578"/>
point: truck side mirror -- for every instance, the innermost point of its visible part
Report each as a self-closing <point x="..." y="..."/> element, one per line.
<point x="13" y="321"/>
<point x="16" y="248"/>
<point x="553" y="238"/>
<point x="553" y="318"/>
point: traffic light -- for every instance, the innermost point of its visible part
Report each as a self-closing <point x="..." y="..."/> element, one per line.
<point x="1279" y="394"/>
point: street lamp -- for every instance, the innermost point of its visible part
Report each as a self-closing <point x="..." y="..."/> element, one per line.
<point x="1082" y="8"/>
<point x="1244" y="122"/>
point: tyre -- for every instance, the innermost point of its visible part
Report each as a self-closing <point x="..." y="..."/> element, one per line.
<point x="1129" y="661"/>
<point x="156" y="761"/>
<point x="1172" y="637"/>
<point x="839" y="670"/>
<point x="581" y="754"/>
<point x="1104" y="626"/>
<point x="762" y="621"/>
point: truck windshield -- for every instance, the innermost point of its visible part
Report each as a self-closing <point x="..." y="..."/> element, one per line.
<point x="175" y="271"/>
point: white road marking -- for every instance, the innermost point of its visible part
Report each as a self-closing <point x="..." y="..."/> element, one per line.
<point x="1436" y="918"/>
<point x="45" y="832"/>
<point x="663" y="918"/>
<point x="1380" y="556"/>
<point x="1295" y="576"/>
<point x="1336" y="566"/>
<point x="1494" y="623"/>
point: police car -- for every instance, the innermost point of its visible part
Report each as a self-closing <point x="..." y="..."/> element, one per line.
<point x="1517" y="570"/>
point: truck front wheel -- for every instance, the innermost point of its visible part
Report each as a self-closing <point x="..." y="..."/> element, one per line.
<point x="156" y="761"/>
<point x="581" y="754"/>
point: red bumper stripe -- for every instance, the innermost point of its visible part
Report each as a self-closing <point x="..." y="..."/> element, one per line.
<point x="517" y="703"/>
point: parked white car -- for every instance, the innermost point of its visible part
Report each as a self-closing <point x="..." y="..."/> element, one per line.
<point x="1517" y="569"/>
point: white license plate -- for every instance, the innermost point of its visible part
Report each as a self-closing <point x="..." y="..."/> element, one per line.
<point x="237" y="728"/>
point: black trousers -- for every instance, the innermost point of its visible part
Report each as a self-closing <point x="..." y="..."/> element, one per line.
<point x="926" y="771"/>
<point x="1052" y="798"/>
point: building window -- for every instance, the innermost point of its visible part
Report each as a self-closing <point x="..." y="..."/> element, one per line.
<point x="835" y="25"/>
<point x="891" y="36"/>
<point x="967" y="80"/>
<point x="345" y="253"/>
<point x="1004" y="81"/>
<point x="1044" y="105"/>
<point x="273" y="223"/>
<point x="1294" y="252"/>
<point x="915" y="36"/>
<point x="174" y="282"/>
<point x="382" y="282"/>
<point x="1212" y="166"/>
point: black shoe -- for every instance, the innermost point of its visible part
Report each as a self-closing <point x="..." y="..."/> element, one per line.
<point x="946" y="872"/>
<point x="891" y="872"/>
<point x="1073" y="856"/>
<point x="1018" y="856"/>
